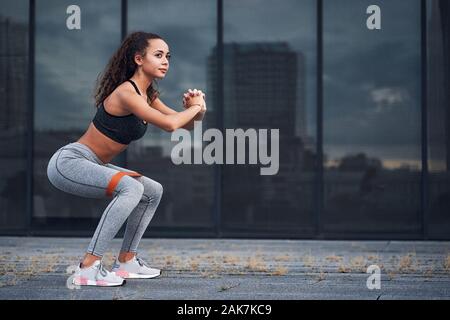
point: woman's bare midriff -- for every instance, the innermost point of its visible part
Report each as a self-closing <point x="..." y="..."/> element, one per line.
<point x="105" y="148"/>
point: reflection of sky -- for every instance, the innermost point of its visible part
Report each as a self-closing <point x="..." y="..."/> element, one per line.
<point x="372" y="79"/>
<point x="289" y="21"/>
<point x="68" y="61"/>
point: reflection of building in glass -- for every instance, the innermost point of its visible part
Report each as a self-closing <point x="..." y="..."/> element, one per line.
<point x="260" y="81"/>
<point x="13" y="71"/>
<point x="264" y="89"/>
<point x="438" y="86"/>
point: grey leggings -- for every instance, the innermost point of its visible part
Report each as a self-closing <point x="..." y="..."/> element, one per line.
<point x="76" y="169"/>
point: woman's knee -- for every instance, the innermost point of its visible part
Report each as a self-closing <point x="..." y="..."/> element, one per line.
<point x="152" y="188"/>
<point x="130" y="187"/>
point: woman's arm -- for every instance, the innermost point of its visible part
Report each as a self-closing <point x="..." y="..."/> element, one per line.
<point x="168" y="122"/>
<point x="190" y="125"/>
<point x="161" y="107"/>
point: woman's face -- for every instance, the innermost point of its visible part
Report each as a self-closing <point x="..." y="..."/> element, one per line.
<point x="155" y="63"/>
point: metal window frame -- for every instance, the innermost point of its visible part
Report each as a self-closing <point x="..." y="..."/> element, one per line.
<point x="219" y="105"/>
<point x="319" y="122"/>
<point x="30" y="117"/>
<point x="424" y="121"/>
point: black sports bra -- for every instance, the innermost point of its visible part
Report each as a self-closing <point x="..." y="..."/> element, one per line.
<point x="122" y="129"/>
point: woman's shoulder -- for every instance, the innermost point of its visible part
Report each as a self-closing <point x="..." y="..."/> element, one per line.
<point x="124" y="88"/>
<point x="119" y="95"/>
<point x="122" y="91"/>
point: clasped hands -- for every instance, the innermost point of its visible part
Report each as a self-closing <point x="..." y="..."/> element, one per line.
<point x="194" y="97"/>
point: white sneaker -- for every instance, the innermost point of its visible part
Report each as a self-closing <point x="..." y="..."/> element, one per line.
<point x="135" y="268"/>
<point x="96" y="275"/>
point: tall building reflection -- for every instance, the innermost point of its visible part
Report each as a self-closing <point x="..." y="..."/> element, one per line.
<point x="264" y="88"/>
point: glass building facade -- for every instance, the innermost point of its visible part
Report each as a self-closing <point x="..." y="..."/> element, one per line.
<point x="363" y="115"/>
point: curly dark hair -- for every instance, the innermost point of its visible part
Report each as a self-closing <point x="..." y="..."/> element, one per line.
<point x="121" y="66"/>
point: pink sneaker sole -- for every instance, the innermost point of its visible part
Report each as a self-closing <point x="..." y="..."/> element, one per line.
<point x="128" y="275"/>
<point x="81" y="281"/>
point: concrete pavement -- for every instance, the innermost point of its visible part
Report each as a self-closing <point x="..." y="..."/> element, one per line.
<point x="221" y="269"/>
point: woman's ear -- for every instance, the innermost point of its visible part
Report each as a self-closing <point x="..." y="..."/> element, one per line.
<point x="138" y="59"/>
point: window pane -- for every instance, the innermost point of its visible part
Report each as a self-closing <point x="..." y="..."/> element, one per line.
<point x="269" y="83"/>
<point x="372" y="108"/>
<point x="189" y="28"/>
<point x="13" y="110"/>
<point x="439" y="117"/>
<point x="67" y="65"/>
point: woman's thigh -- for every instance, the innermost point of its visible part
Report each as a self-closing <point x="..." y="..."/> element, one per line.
<point x="71" y="172"/>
